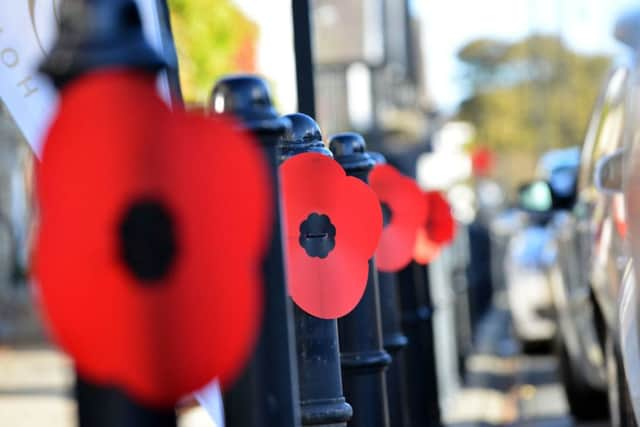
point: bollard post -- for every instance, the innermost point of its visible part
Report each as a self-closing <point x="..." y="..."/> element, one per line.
<point x="100" y="406"/>
<point x="417" y="322"/>
<point x="96" y="34"/>
<point x="267" y="392"/>
<point x="322" y="402"/>
<point x="393" y="339"/>
<point x="363" y="357"/>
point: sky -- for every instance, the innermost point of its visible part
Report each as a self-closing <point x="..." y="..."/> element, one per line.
<point x="586" y="25"/>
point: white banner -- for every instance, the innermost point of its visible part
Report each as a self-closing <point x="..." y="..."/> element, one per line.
<point x="27" y="33"/>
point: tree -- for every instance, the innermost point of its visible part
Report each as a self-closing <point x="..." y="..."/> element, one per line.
<point x="531" y="95"/>
<point x="213" y="38"/>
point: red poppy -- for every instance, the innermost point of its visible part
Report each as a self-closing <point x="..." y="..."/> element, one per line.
<point x="152" y="231"/>
<point x="426" y="250"/>
<point x="439" y="229"/>
<point x="482" y="161"/>
<point x="333" y="224"/>
<point x="404" y="211"/>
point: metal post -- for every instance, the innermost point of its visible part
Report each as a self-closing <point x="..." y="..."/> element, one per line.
<point x="433" y="396"/>
<point x="364" y="359"/>
<point x="322" y="402"/>
<point x="417" y="314"/>
<point x="393" y="339"/>
<point x="267" y="393"/>
<point x="96" y="34"/>
<point x="169" y="52"/>
<point x="302" y="30"/>
<point x="100" y="406"/>
<point x="394" y="342"/>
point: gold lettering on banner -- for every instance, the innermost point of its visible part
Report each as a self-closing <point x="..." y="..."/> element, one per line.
<point x="9" y="57"/>
<point x="26" y="85"/>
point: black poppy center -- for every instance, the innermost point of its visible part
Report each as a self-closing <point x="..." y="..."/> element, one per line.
<point x="387" y="214"/>
<point x="147" y="240"/>
<point x="317" y="235"/>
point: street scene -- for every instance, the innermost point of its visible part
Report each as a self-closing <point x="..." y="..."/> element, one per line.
<point x="330" y="213"/>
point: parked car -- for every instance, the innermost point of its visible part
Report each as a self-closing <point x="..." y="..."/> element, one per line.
<point x="592" y="257"/>
<point x="619" y="173"/>
<point x="589" y="241"/>
<point x="594" y="279"/>
<point x="612" y="270"/>
<point x="530" y="254"/>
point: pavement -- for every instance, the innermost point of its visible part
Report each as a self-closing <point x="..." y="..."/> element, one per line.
<point x="506" y="388"/>
<point x="503" y="386"/>
<point x="35" y="390"/>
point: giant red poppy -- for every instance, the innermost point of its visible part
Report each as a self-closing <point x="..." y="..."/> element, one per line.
<point x="438" y="230"/>
<point x="333" y="224"/>
<point x="404" y="212"/>
<point x="152" y="230"/>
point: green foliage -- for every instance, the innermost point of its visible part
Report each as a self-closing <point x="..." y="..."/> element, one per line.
<point x="211" y="36"/>
<point x="531" y="95"/>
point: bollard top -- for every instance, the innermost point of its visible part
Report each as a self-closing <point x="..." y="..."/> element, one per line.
<point x="249" y="99"/>
<point x="349" y="149"/>
<point x="377" y="157"/>
<point x="98" y="34"/>
<point x="304" y="136"/>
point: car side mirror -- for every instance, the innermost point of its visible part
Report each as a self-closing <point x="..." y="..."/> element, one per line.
<point x="608" y="175"/>
<point x="626" y="29"/>
<point x="535" y="197"/>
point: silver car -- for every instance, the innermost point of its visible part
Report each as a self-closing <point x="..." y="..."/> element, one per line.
<point x="531" y="256"/>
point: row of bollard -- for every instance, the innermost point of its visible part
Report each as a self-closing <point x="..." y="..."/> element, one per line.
<point x="364" y="358"/>
<point x="353" y="371"/>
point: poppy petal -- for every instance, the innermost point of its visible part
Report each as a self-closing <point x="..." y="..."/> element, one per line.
<point x="441" y="227"/>
<point x="330" y="284"/>
<point x="407" y="213"/>
<point x="162" y="339"/>
<point x="425" y="250"/>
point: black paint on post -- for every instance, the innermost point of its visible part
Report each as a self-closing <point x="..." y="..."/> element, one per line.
<point x="417" y="322"/>
<point x="394" y="342"/>
<point x="266" y="395"/>
<point x="100" y="406"/>
<point x="393" y="337"/>
<point x="169" y="53"/>
<point x="322" y="401"/>
<point x="303" y="46"/>
<point x="433" y="395"/>
<point x="98" y="34"/>
<point x="364" y="359"/>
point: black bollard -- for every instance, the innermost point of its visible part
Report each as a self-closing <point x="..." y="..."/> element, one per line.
<point x="101" y="406"/>
<point x="417" y="322"/>
<point x="97" y="34"/>
<point x="394" y="340"/>
<point x="364" y="359"/>
<point x="322" y="402"/>
<point x="267" y="392"/>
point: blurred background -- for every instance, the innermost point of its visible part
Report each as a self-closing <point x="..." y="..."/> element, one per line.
<point x="522" y="75"/>
<point x="465" y="95"/>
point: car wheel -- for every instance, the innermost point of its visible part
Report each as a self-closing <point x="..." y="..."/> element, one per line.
<point x="585" y="402"/>
<point x="619" y="398"/>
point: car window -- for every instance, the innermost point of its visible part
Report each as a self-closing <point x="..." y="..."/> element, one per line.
<point x="604" y="134"/>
